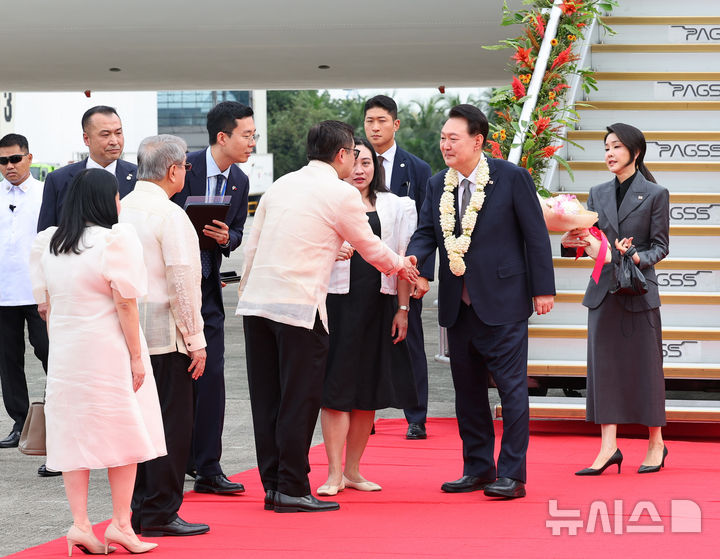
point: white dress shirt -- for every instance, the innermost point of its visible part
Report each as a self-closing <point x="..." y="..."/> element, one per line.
<point x="212" y="172"/>
<point x="398" y="220"/>
<point x="19" y="210"/>
<point x="299" y="226"/>
<point x="92" y="164"/>
<point x="388" y="160"/>
<point x="170" y="312"/>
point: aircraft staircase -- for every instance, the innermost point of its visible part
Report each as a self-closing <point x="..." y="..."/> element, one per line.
<point x="661" y="73"/>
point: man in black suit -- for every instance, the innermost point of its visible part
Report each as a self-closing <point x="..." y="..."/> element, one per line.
<point x="405" y="175"/>
<point x="232" y="136"/>
<point x="487" y="292"/>
<point x="103" y="135"/>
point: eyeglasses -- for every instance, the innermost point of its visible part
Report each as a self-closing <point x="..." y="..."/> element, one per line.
<point x="187" y="166"/>
<point x="251" y="138"/>
<point x="14" y="159"/>
<point x="354" y="151"/>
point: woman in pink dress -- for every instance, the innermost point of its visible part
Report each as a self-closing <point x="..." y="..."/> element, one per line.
<point x="102" y="408"/>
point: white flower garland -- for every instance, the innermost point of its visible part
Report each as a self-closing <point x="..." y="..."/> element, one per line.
<point x="456" y="247"/>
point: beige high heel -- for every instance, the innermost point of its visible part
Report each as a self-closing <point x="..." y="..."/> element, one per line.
<point x="114" y="535"/>
<point x="361" y="485"/>
<point x="85" y="542"/>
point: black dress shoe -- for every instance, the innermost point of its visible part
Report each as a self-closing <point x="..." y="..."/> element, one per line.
<point x="416" y="431"/>
<point x="177" y="527"/>
<point x="616" y="458"/>
<point x="11" y="441"/>
<point x="506" y="488"/>
<point x="270" y="499"/>
<point x="652" y="469"/>
<point x="44" y="471"/>
<point x="218" y="484"/>
<point x="465" y="484"/>
<point x="308" y="503"/>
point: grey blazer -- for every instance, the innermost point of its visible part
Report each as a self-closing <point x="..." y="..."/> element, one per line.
<point x="644" y="215"/>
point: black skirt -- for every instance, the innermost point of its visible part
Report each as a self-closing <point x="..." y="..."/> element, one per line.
<point x="365" y="370"/>
<point x="625" y="383"/>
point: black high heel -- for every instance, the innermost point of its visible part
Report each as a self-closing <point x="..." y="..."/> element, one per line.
<point x="616" y="458"/>
<point x="652" y="469"/>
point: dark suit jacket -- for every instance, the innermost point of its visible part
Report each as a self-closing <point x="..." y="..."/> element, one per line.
<point x="56" y="184"/>
<point x="237" y="188"/>
<point x="644" y="215"/>
<point x="410" y="175"/>
<point x="509" y="260"/>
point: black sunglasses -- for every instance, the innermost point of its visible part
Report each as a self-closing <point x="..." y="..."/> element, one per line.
<point x="14" y="159"/>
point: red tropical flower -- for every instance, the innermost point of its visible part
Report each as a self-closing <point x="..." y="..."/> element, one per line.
<point x="563" y="58"/>
<point x="518" y="88"/>
<point x="570" y="7"/>
<point x="561" y="87"/>
<point x="549" y="151"/>
<point x="495" y="150"/>
<point x="539" y="24"/>
<point x="523" y="58"/>
<point x="541" y="125"/>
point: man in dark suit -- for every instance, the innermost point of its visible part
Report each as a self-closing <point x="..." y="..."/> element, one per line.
<point x="103" y="135"/>
<point x="231" y="131"/>
<point x="405" y="175"/>
<point x="487" y="291"/>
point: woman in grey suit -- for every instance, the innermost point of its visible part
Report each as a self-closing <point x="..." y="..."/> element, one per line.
<point x="625" y="381"/>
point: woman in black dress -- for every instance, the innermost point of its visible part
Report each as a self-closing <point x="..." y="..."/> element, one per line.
<point x="368" y="363"/>
<point x="626" y="383"/>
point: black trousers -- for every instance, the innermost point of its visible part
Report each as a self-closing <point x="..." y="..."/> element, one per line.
<point x="286" y="368"/>
<point x="209" y="389"/>
<point x="477" y="349"/>
<point x="159" y="483"/>
<point x="12" y="357"/>
<point x="418" y="358"/>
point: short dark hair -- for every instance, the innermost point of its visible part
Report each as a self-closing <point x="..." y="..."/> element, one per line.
<point x="476" y="120"/>
<point x="634" y="140"/>
<point x="99" y="109"/>
<point x="222" y="117"/>
<point x="382" y="102"/>
<point x="90" y="200"/>
<point x="328" y="137"/>
<point x="377" y="184"/>
<point x="10" y="140"/>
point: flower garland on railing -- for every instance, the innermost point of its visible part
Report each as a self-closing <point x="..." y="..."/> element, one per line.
<point x="550" y="115"/>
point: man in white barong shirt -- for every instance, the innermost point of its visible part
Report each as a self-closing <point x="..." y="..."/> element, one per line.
<point x="299" y="227"/>
<point x="173" y="326"/>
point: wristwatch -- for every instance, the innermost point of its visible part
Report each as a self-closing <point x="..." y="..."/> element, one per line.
<point x="403" y="308"/>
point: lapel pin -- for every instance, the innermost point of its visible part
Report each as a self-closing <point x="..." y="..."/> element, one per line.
<point x="491" y="182"/>
<point x="234" y="187"/>
<point x="402" y="164"/>
<point x="639" y="197"/>
<point x="128" y="177"/>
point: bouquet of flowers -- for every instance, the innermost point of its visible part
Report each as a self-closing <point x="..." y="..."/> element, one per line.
<point x="565" y="212"/>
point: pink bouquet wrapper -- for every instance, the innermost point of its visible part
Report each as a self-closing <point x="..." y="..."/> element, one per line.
<point x="564" y="212"/>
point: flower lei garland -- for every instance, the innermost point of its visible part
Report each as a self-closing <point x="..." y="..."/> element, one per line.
<point x="456" y="247"/>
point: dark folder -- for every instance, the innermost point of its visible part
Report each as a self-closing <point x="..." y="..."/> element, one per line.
<point x="202" y="212"/>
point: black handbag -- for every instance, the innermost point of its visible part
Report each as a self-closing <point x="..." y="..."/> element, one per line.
<point x="629" y="280"/>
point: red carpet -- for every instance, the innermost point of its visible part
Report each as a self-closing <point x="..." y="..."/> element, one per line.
<point x="411" y="517"/>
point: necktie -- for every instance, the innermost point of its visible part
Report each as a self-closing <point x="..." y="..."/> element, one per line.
<point x="465" y="197"/>
<point x="219" y="181"/>
<point x="463" y="206"/>
<point x="206" y="256"/>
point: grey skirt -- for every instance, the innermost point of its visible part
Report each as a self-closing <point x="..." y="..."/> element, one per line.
<point x="625" y="381"/>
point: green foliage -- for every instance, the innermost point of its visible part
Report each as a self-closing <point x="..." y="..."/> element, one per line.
<point x="292" y="113"/>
